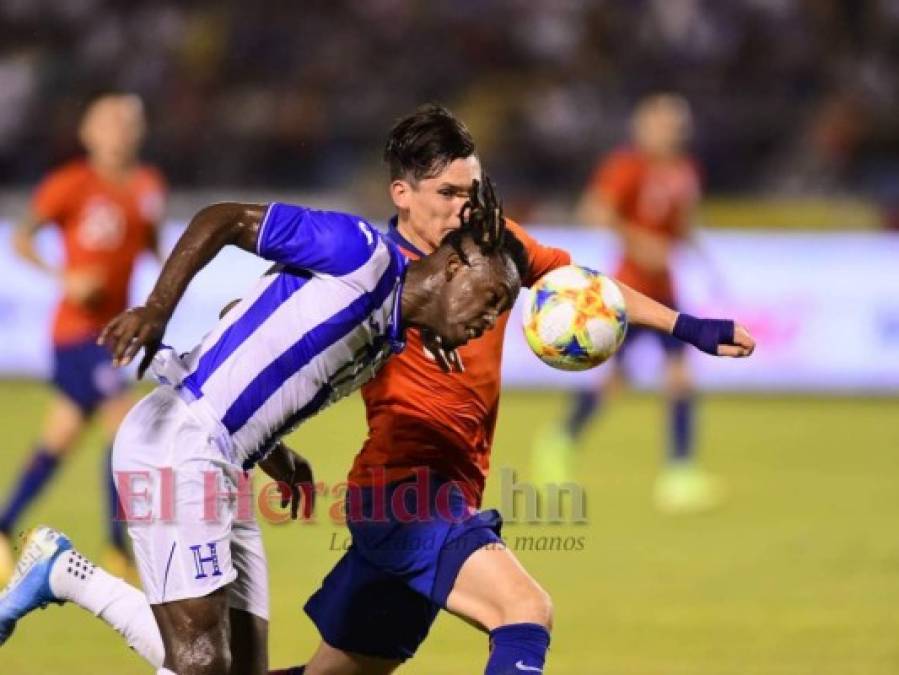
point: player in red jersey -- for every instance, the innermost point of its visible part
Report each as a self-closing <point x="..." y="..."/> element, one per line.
<point x="376" y="606"/>
<point x="106" y="208"/>
<point x="646" y="194"/>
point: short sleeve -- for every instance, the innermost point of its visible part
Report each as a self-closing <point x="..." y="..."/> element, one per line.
<point x="53" y="197"/>
<point x="541" y="259"/>
<point x="327" y="242"/>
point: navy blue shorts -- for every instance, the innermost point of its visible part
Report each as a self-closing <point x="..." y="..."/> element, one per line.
<point x="83" y="371"/>
<point x="407" y="549"/>
<point x="670" y="344"/>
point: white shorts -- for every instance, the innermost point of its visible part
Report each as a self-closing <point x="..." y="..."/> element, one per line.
<point x="190" y="538"/>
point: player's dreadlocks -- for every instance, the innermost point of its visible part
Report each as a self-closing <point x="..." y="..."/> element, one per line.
<point x="483" y="222"/>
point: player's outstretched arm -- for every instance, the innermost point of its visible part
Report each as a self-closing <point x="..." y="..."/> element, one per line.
<point x="208" y="232"/>
<point x="719" y="337"/>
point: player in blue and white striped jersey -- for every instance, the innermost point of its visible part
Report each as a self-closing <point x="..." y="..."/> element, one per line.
<point x="303" y="336"/>
<point x="315" y="328"/>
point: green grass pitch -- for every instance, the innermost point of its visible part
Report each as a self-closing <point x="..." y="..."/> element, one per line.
<point x="797" y="575"/>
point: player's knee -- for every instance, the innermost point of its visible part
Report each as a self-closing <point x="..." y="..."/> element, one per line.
<point x="203" y="655"/>
<point x="679" y="382"/>
<point x="59" y="445"/>
<point x="535" y="606"/>
<point x="543" y="609"/>
<point x="613" y="384"/>
<point x="679" y="392"/>
<point x="203" y="664"/>
<point x="58" y="450"/>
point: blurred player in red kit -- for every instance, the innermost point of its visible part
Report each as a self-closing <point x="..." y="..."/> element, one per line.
<point x="106" y="207"/>
<point x="646" y="194"/>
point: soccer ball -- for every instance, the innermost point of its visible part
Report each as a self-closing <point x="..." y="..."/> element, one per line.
<point x="575" y="318"/>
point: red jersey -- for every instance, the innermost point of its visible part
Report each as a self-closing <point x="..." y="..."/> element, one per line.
<point x="104" y="228"/>
<point x="651" y="196"/>
<point x="419" y="416"/>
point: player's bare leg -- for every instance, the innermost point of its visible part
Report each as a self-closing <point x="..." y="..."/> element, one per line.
<point x="112" y="411"/>
<point x="495" y="592"/>
<point x="329" y="660"/>
<point x="62" y="427"/>
<point x="494" y="589"/>
<point x="249" y="643"/>
<point x="196" y="633"/>
<point x="682" y="487"/>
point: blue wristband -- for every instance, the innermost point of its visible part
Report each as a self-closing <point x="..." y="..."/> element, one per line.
<point x="704" y="334"/>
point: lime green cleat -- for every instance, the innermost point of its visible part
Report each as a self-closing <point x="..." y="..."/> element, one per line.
<point x="552" y="459"/>
<point x="684" y="489"/>
<point x="7" y="560"/>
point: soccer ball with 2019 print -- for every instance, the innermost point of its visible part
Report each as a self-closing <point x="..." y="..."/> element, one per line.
<point x="575" y="318"/>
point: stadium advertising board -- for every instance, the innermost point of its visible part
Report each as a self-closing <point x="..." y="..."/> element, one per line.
<point x="824" y="308"/>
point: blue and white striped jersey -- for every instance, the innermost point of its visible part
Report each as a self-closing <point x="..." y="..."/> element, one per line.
<point x="306" y="335"/>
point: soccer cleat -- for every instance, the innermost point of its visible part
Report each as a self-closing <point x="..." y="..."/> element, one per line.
<point x="7" y="559"/>
<point x="686" y="489"/>
<point x="29" y="587"/>
<point x="552" y="457"/>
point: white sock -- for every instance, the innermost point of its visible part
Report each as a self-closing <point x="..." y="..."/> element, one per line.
<point x="76" y="579"/>
<point x="163" y="671"/>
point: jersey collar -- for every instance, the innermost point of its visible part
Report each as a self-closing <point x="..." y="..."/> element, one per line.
<point x="395" y="333"/>
<point x="393" y="234"/>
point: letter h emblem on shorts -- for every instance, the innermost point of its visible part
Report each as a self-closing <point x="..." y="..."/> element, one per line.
<point x="200" y="561"/>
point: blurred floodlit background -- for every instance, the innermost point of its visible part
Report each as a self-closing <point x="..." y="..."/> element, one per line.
<point x="795" y="132"/>
<point x="792" y="98"/>
<point x="797" y="138"/>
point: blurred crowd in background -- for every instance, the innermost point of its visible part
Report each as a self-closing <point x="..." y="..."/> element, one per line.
<point x="794" y="97"/>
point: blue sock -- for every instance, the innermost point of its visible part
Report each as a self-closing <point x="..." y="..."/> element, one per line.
<point x="680" y="428"/>
<point x="32" y="481"/>
<point x="116" y="526"/>
<point x="517" y="648"/>
<point x="585" y="405"/>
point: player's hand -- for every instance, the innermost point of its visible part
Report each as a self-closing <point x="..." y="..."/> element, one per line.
<point x="83" y="287"/>
<point x="743" y="344"/>
<point x="294" y="477"/>
<point x="447" y="359"/>
<point x="135" y="329"/>
<point x="719" y="337"/>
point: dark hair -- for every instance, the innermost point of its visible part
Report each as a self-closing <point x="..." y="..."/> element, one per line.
<point x="98" y="93"/>
<point x="422" y="144"/>
<point x="508" y="245"/>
